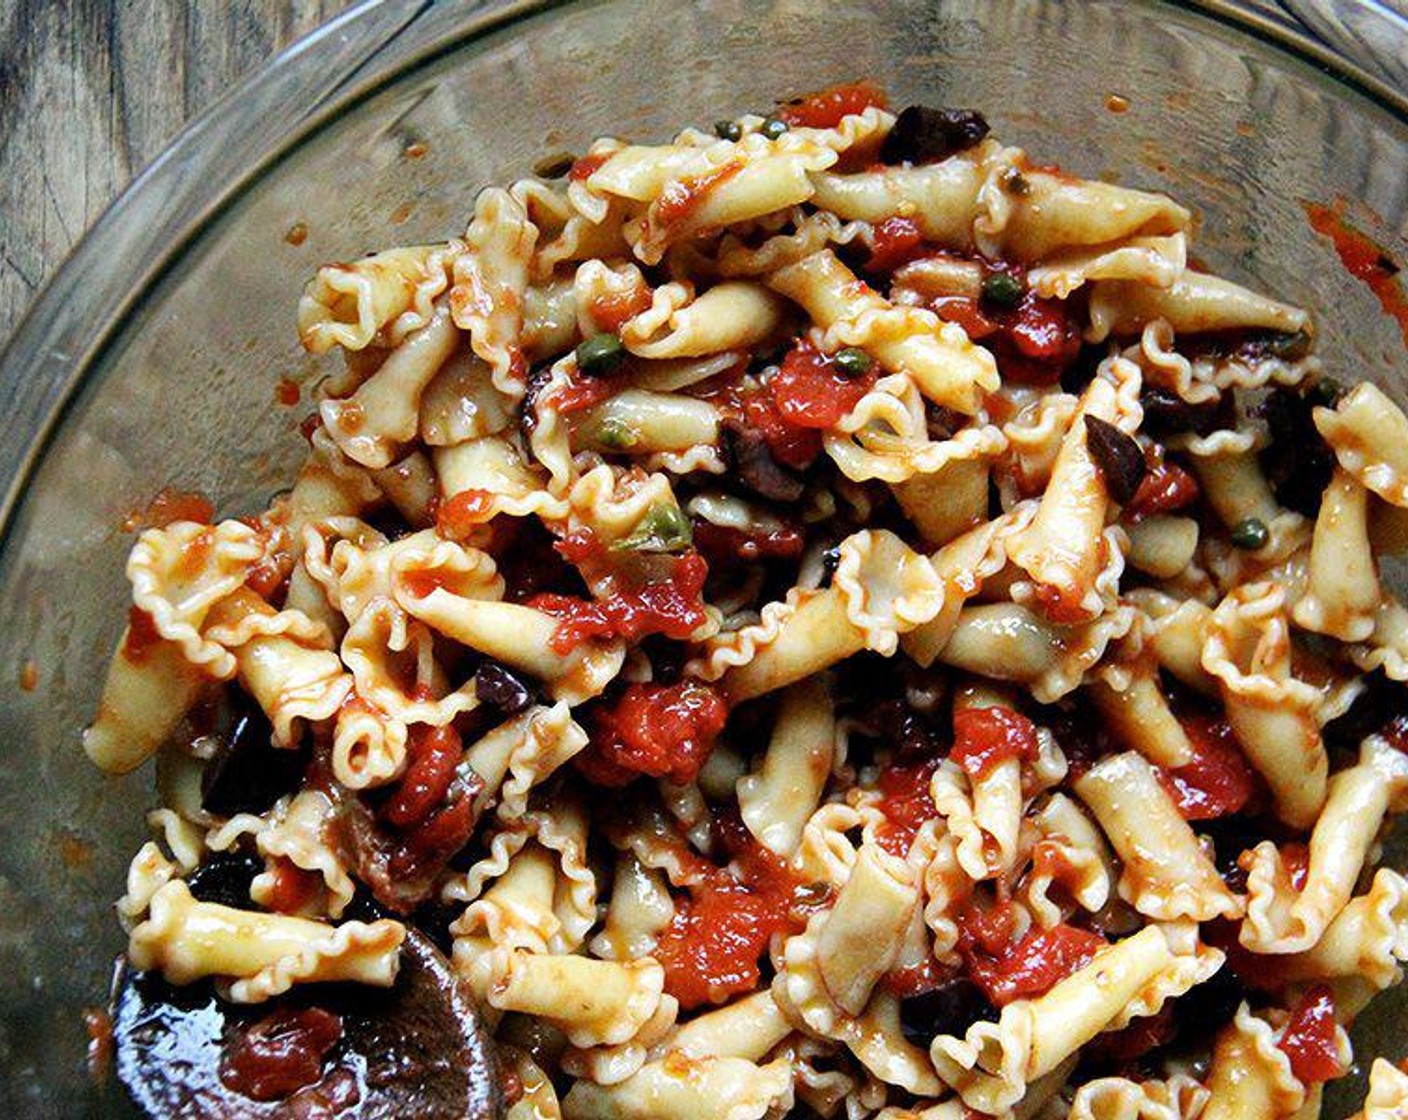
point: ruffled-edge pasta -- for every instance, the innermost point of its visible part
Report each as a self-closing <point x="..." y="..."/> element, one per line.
<point x="992" y="1065"/>
<point x="1388" y="1093"/>
<point x="1368" y="433"/>
<point x="1281" y="919"/>
<point x="262" y="955"/>
<point x="377" y="300"/>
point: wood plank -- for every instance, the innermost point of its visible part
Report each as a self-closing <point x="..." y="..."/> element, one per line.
<point x="91" y="91"/>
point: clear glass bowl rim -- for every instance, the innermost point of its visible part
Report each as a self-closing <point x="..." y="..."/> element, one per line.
<point x="220" y="154"/>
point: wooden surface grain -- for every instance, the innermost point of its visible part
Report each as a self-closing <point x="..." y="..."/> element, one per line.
<point x="91" y="91"/>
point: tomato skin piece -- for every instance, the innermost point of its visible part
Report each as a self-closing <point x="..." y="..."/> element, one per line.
<point x="985" y="737"/>
<point x="1030" y="966"/>
<point x="278" y="1055"/>
<point x="1217" y="781"/>
<point x="828" y="107"/>
<point x="661" y="731"/>
<point x="906" y="803"/>
<point x="810" y="392"/>
<point x="1167" y="487"/>
<point x="896" y="241"/>
<point x="1309" y="1038"/>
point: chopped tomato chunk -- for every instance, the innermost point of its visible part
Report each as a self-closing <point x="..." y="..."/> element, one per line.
<point x="828" y="107"/>
<point x="673" y="607"/>
<point x="1309" y="1038"/>
<point x="457" y="517"/>
<point x="895" y="242"/>
<point x="280" y="1053"/>
<point x="811" y="392"/>
<point x="293" y="887"/>
<point x="1030" y="966"/>
<point x="906" y="803"/>
<point x="1167" y="487"/>
<point x="985" y="737"/>
<point x="1217" y="781"/>
<point x="663" y="731"/>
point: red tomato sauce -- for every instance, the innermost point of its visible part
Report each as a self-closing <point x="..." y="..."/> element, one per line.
<point x="586" y="166"/>
<point x="1296" y="858"/>
<point x="906" y="802"/>
<point x="662" y="731"/>
<point x="1026" y="968"/>
<point x="828" y="107"/>
<point x="612" y="309"/>
<point x="280" y="1053"/>
<point x="810" y="392"/>
<point x="581" y="393"/>
<point x="1033" y="342"/>
<point x="433" y="753"/>
<point x="579" y="546"/>
<point x="905" y="983"/>
<point x="1217" y="781"/>
<point x="293" y="887"/>
<point x="673" y="607"/>
<point x="896" y="241"/>
<point x="269" y="578"/>
<point x="1166" y="488"/>
<point x="682" y="197"/>
<point x="141" y="635"/>
<point x="458" y="515"/>
<point x="985" y="737"/>
<point x="754" y="405"/>
<point x="723" y="924"/>
<point x="1309" y="1038"/>
<point x="168" y="507"/>
<point x="1363" y="259"/>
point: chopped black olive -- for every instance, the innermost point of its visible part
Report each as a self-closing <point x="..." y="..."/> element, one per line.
<point x="922" y="134"/>
<point x="1002" y="289"/>
<point x="728" y="130"/>
<point x="773" y="128"/>
<point x="951" y="1008"/>
<point x="852" y="362"/>
<point x="1167" y="414"/>
<point x="226" y="879"/>
<point x="756" y="469"/>
<point x="1118" y="456"/>
<point x="1382" y="705"/>
<point x="601" y="355"/>
<point x="1250" y="533"/>
<point x="247" y="773"/>
<point x="1016" y="183"/>
<point x="1327" y="392"/>
<point x="1297" y="461"/>
<point x="495" y="685"/>
<point x="528" y="407"/>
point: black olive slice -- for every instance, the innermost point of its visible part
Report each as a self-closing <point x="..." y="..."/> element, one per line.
<point x="1118" y="456"/>
<point x="922" y="134"/>
<point x="754" y="467"/>
<point x="415" y="1049"/>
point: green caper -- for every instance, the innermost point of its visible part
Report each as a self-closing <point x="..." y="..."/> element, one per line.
<point x="728" y="130"/>
<point x="852" y="362"/>
<point x="1250" y="533"/>
<point x="601" y="355"/>
<point x="773" y="127"/>
<point x="1326" y="391"/>
<point x="1002" y="288"/>
<point x="615" y="435"/>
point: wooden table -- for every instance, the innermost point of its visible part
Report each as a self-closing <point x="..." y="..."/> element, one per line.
<point x="91" y="91"/>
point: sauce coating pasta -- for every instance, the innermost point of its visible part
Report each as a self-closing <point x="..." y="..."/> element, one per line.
<point x="824" y="615"/>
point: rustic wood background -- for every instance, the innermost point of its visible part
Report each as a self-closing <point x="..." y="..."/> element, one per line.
<point x="91" y="91"/>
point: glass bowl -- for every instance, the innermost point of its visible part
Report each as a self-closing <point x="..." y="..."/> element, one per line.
<point x="154" y="357"/>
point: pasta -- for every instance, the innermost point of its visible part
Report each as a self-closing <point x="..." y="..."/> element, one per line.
<point x="826" y="616"/>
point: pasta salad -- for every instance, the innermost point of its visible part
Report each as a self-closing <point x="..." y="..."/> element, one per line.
<point x="824" y="616"/>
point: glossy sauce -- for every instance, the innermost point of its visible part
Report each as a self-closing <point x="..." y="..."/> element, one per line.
<point x="673" y="607"/>
<point x="828" y="107"/>
<point x="168" y="507"/>
<point x="721" y="927"/>
<point x="1028" y="967"/>
<point x="457" y="516"/>
<point x="661" y="731"/>
<point x="1309" y="1038"/>
<point x="1217" y="781"/>
<point x="1166" y="488"/>
<point x="280" y="1054"/>
<point x="141" y="635"/>
<point x="896" y="241"/>
<point x="810" y="392"/>
<point x="1364" y="259"/>
<point x="906" y="802"/>
<point x="985" y="737"/>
